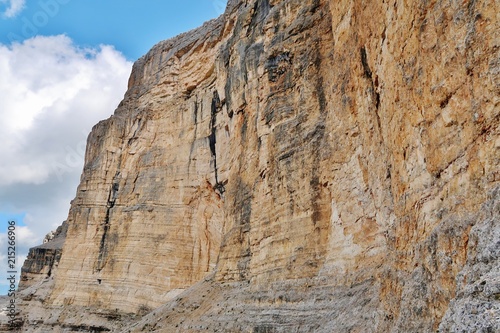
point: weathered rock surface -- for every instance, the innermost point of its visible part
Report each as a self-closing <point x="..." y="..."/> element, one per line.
<point x="295" y="166"/>
<point x="476" y="307"/>
<point x="43" y="260"/>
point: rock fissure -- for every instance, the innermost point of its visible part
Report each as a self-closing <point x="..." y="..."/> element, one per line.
<point x="104" y="246"/>
<point x="215" y="108"/>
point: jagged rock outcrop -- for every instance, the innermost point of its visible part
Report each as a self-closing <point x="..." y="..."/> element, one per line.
<point x="43" y="260"/>
<point x="295" y="166"/>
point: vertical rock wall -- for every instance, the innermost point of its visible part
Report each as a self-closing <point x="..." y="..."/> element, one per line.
<point x="147" y="219"/>
<point x="320" y="166"/>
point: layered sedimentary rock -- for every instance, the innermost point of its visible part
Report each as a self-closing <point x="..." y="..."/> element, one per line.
<point x="43" y="260"/>
<point x="296" y="166"/>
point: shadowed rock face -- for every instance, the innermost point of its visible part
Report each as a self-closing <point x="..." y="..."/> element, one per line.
<point x="294" y="166"/>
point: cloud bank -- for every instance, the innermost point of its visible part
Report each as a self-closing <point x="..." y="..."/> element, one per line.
<point x="51" y="94"/>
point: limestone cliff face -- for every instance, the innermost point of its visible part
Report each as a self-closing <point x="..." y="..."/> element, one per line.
<point x="297" y="166"/>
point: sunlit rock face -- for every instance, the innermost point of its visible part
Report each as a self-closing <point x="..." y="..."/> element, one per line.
<point x="295" y="166"/>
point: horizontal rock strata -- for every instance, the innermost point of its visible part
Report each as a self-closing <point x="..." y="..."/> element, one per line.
<point x="296" y="166"/>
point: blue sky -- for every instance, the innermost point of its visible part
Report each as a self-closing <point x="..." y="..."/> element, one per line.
<point x="18" y="218"/>
<point x="132" y="26"/>
<point x="64" y="66"/>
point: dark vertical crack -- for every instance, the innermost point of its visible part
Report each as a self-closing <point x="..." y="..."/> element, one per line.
<point x="374" y="83"/>
<point x="196" y="112"/>
<point x="103" y="246"/>
<point x="364" y="62"/>
<point x="215" y="107"/>
<point x="195" y="116"/>
<point x="213" y="140"/>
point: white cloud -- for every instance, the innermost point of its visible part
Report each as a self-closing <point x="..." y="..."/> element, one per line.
<point x="51" y="94"/>
<point x="14" y="7"/>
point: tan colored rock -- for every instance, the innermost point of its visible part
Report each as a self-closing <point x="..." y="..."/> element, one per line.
<point x="147" y="222"/>
<point x="294" y="166"/>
